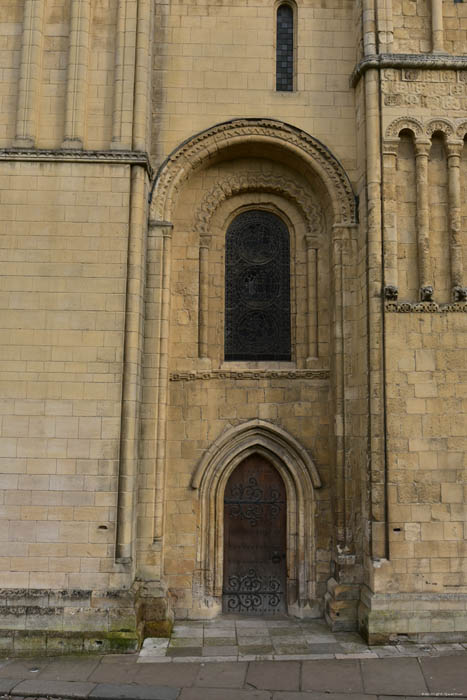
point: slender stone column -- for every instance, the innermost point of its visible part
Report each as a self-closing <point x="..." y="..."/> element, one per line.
<point x="142" y="75"/>
<point x="78" y="59"/>
<point x="132" y="360"/>
<point x="379" y="535"/>
<point x="163" y="384"/>
<point x="338" y="373"/>
<point x="122" y="126"/>
<point x="312" y="297"/>
<point x="437" y="31"/>
<point x="30" y="74"/>
<point x="422" y="152"/>
<point x="454" y="151"/>
<point x="340" y="252"/>
<point x="390" y="149"/>
<point x="205" y="242"/>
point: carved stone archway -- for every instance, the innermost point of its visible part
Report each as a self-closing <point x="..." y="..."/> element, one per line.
<point x="310" y="210"/>
<point x="300" y="477"/>
<point x="208" y="145"/>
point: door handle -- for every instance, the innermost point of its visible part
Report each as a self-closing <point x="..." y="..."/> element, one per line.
<point x="276" y="557"/>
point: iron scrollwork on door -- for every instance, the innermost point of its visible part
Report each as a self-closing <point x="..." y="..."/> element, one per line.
<point x="257" y="288"/>
<point x="249" y="502"/>
<point x="253" y="592"/>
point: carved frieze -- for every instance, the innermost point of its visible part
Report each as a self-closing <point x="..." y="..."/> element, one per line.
<point x="443" y="90"/>
<point x="406" y="307"/>
<point x="316" y="374"/>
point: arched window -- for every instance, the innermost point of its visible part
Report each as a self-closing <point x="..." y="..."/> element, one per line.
<point x="284" y="48"/>
<point x="257" y="288"/>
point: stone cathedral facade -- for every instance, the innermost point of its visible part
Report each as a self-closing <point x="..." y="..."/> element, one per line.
<point x="233" y="292"/>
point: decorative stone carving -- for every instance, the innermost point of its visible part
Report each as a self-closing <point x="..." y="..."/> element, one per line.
<point x="443" y="125"/>
<point x="426" y="293"/>
<point x="416" y="62"/>
<point x="461" y="130"/>
<point x="398" y="125"/>
<point x="390" y="292"/>
<point x="250" y="182"/>
<point x="404" y="307"/>
<point x="203" y="147"/>
<point x="70" y="155"/>
<point x="460" y="293"/>
<point x="316" y="374"/>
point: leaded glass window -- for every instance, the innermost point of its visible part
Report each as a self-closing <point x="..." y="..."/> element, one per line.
<point x="284" y="49"/>
<point x="257" y="288"/>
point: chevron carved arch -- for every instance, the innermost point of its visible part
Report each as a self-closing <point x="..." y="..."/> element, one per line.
<point x="231" y="186"/>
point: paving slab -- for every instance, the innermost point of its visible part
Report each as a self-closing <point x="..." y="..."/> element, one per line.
<point x="445" y="674"/>
<point x="75" y="668"/>
<point x="185" y="651"/>
<point x="180" y="642"/>
<point x="227" y="694"/>
<point x="220" y="641"/>
<point x="113" y="691"/>
<point x="393" y="676"/>
<point x="126" y="659"/>
<point x="255" y="649"/>
<point x="115" y="672"/>
<point x="24" y="668"/>
<point x="7" y="684"/>
<point x="61" y="689"/>
<point x="278" y="675"/>
<point x="220" y="651"/>
<point x="321" y="696"/>
<point x="221" y="675"/>
<point x="386" y="651"/>
<point x="167" y="674"/>
<point x="332" y="676"/>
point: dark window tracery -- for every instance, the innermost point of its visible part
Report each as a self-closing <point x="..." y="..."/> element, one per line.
<point x="284" y="48"/>
<point x="257" y="288"/>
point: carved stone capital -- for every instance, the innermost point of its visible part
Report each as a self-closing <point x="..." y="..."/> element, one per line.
<point x="422" y="147"/>
<point x="454" y="148"/>
<point x="390" y="148"/>
<point x="311" y="241"/>
<point x="205" y="241"/>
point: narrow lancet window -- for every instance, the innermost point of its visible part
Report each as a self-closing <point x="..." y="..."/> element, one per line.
<point x="284" y="49"/>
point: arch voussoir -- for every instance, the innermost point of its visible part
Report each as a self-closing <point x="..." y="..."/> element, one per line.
<point x="197" y="151"/>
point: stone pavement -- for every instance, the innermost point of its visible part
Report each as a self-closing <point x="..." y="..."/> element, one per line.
<point x="113" y="677"/>
<point x="236" y="638"/>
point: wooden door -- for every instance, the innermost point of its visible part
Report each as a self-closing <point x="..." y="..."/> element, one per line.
<point x="255" y="540"/>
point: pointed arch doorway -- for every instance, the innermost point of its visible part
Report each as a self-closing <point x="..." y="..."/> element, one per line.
<point x="255" y="523"/>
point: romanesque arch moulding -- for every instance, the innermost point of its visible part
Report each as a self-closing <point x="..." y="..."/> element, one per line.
<point x="209" y="144"/>
<point x="300" y="477"/>
<point x="311" y="212"/>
